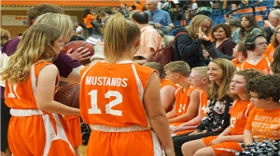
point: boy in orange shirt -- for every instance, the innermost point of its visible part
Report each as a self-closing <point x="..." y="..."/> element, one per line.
<point x="256" y="45"/>
<point x="186" y="97"/>
<point x="198" y="78"/>
<point x="262" y="130"/>
<point x="227" y="142"/>
<point x="239" y="54"/>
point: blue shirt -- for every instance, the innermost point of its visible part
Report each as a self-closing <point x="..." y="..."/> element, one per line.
<point x="235" y="35"/>
<point x="161" y="17"/>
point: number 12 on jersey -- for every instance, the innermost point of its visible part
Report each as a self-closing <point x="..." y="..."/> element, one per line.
<point x="108" y="107"/>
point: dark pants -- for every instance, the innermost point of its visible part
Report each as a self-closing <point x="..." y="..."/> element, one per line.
<point x="5" y="118"/>
<point x="179" y="140"/>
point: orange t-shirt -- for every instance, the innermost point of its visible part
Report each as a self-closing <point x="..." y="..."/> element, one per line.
<point x="269" y="51"/>
<point x="182" y="100"/>
<point x="238" y="116"/>
<point x="112" y="94"/>
<point x="263" y="65"/>
<point x="166" y="82"/>
<point x="87" y="20"/>
<point x="22" y="95"/>
<point x="264" y="124"/>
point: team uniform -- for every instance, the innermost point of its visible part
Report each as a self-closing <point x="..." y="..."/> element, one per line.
<point x="238" y="117"/>
<point x="202" y="108"/>
<point x="111" y="102"/>
<point x="263" y="65"/>
<point x="165" y="82"/>
<point x="33" y="131"/>
<point x="74" y="124"/>
<point x="182" y="100"/>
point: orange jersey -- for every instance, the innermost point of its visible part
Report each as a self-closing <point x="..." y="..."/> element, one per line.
<point x="112" y="94"/>
<point x="182" y="100"/>
<point x="166" y="82"/>
<point x="236" y="63"/>
<point x="203" y="103"/>
<point x="264" y="124"/>
<point x="263" y="65"/>
<point x="238" y="116"/>
<point x="269" y="51"/>
<point x="22" y="95"/>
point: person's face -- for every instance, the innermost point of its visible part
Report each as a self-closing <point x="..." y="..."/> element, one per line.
<point x="245" y="23"/>
<point x="237" y="85"/>
<point x="215" y="72"/>
<point x="172" y="76"/>
<point x="151" y="6"/>
<point x="195" y="79"/>
<point x="235" y="51"/>
<point x="260" y="44"/>
<point x="259" y="103"/>
<point x="58" y="44"/>
<point x="273" y="20"/>
<point x="220" y="33"/>
<point x="206" y="26"/>
<point x="278" y="36"/>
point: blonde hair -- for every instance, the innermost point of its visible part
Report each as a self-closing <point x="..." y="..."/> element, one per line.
<point x="5" y="36"/>
<point x="221" y="92"/>
<point x="202" y="71"/>
<point x="180" y="67"/>
<point x="195" y="23"/>
<point x="274" y="41"/>
<point x="61" y="21"/>
<point x="119" y="36"/>
<point x="36" y="45"/>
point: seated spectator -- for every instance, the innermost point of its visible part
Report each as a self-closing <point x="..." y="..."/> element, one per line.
<point x="275" y="64"/>
<point x="239" y="54"/>
<point x="79" y="31"/>
<point x="204" y="8"/>
<point x="234" y="24"/>
<point x="248" y="26"/>
<point x="150" y="40"/>
<point x="256" y="45"/>
<point x="221" y="34"/>
<point x="274" y="43"/>
<point x="272" y="22"/>
<point x="167" y="88"/>
<point x="158" y="18"/>
<point x="263" y="126"/>
<point x="164" y="5"/>
<point x="186" y="97"/>
<point x="198" y="78"/>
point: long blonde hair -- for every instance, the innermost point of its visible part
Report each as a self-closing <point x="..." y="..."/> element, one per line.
<point x="274" y="41"/>
<point x="195" y="23"/>
<point x="119" y="36"/>
<point x="36" y="45"/>
<point x="61" y="21"/>
<point x="221" y="92"/>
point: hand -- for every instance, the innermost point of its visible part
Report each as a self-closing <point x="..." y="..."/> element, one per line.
<point x="80" y="54"/>
<point x="218" y="140"/>
<point x="205" y="54"/>
<point x="157" y="25"/>
<point x="196" y="132"/>
<point x="202" y="35"/>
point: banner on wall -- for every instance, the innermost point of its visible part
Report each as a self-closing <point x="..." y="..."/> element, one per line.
<point x="18" y="20"/>
<point x="14" y="20"/>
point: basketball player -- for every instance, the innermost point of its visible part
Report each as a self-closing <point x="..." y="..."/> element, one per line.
<point x="120" y="99"/>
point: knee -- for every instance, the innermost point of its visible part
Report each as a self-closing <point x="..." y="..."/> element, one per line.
<point x="199" y="153"/>
<point x="187" y="149"/>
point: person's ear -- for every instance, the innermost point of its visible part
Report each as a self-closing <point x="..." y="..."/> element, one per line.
<point x="32" y="21"/>
<point x="205" y="80"/>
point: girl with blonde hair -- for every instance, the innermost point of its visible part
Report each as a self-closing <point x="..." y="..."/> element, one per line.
<point x="36" y="128"/>
<point x="120" y="99"/>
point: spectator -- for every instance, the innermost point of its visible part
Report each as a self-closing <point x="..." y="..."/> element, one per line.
<point x="221" y="34"/>
<point x="275" y="42"/>
<point x="272" y="22"/>
<point x="204" y="8"/>
<point x="234" y="24"/>
<point x="164" y="5"/>
<point x="248" y="26"/>
<point x="275" y="64"/>
<point x="5" y="36"/>
<point x="150" y="40"/>
<point x="97" y="27"/>
<point x="79" y="31"/>
<point x="239" y="54"/>
<point x="124" y="10"/>
<point x="88" y="18"/>
<point x="158" y="18"/>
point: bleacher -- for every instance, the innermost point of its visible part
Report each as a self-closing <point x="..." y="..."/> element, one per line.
<point x="258" y="9"/>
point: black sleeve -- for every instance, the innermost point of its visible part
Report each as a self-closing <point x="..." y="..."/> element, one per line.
<point x="214" y="52"/>
<point x="186" y="46"/>
<point x="206" y="121"/>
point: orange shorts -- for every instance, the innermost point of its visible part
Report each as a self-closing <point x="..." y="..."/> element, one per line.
<point x="223" y="149"/>
<point x="74" y="124"/>
<point x="39" y="135"/>
<point x="140" y="143"/>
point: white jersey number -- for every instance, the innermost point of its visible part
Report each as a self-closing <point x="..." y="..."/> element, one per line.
<point x="108" y="107"/>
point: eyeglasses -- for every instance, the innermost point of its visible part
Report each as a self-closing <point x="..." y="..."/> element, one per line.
<point x="262" y="43"/>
